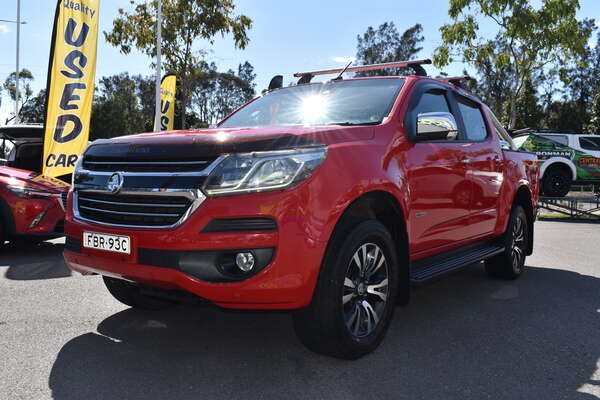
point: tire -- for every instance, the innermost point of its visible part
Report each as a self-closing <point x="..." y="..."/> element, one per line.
<point x="352" y="305"/>
<point x="510" y="263"/>
<point x="129" y="294"/>
<point x="556" y="182"/>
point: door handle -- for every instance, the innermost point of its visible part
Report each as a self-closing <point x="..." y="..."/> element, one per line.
<point x="465" y="161"/>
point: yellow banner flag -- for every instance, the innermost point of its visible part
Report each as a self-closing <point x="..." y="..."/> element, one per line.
<point x="167" y="103"/>
<point x="70" y="90"/>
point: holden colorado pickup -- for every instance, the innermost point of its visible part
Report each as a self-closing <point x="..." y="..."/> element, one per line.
<point x="31" y="205"/>
<point x="329" y="199"/>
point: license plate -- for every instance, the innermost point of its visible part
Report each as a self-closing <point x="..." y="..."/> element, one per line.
<point x="101" y="241"/>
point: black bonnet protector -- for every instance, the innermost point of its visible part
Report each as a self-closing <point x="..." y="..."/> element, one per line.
<point x="178" y="147"/>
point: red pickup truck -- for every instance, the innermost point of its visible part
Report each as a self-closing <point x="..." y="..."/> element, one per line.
<point x="329" y="199"/>
<point x="31" y="205"/>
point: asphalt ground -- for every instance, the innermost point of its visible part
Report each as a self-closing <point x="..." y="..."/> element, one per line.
<point x="467" y="336"/>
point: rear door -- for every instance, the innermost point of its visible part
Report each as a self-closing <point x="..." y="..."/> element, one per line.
<point x="485" y="165"/>
<point x="440" y="195"/>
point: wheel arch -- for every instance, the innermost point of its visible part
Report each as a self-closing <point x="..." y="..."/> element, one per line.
<point x="559" y="162"/>
<point x="382" y="206"/>
<point x="524" y="198"/>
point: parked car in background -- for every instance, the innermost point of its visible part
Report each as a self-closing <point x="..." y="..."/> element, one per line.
<point x="565" y="158"/>
<point x="31" y="205"/>
<point x="329" y="199"/>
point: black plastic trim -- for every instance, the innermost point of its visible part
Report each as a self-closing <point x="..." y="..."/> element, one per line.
<point x="254" y="224"/>
<point x="73" y="244"/>
<point x="216" y="266"/>
<point x="433" y="267"/>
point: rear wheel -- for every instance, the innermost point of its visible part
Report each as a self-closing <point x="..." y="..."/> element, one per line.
<point x="354" y="299"/>
<point x="510" y="263"/>
<point x="130" y="294"/>
<point x="556" y="182"/>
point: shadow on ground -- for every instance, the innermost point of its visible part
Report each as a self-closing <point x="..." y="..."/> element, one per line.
<point x="465" y="337"/>
<point x="33" y="261"/>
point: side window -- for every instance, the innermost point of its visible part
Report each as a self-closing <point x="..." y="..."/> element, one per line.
<point x="590" y="143"/>
<point x="432" y="101"/>
<point x="562" y="139"/>
<point x="472" y="118"/>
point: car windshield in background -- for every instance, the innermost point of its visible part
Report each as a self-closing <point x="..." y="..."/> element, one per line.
<point x="356" y="102"/>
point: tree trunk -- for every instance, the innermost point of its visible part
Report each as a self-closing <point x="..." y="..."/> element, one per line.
<point x="512" y="111"/>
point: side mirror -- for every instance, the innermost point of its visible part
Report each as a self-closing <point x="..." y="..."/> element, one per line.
<point x="436" y="126"/>
<point x="505" y="145"/>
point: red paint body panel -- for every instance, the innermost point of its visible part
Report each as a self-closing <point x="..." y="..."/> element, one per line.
<point x="433" y="189"/>
<point x="23" y="210"/>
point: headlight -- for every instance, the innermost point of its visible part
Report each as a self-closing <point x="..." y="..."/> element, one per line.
<point x="263" y="171"/>
<point x="22" y="191"/>
<point x="76" y="170"/>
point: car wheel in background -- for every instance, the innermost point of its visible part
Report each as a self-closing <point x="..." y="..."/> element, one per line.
<point x="556" y="182"/>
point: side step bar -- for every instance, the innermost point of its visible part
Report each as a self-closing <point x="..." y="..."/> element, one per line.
<point x="436" y="266"/>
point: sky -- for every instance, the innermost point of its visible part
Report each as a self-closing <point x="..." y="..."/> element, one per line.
<point x="286" y="36"/>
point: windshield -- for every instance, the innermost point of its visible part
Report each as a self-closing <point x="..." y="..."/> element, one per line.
<point x="357" y="102"/>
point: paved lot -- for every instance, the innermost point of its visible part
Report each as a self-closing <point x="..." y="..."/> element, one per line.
<point x="464" y="337"/>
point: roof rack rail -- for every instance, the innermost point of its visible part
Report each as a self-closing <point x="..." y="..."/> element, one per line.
<point x="305" y="77"/>
<point x="456" y="80"/>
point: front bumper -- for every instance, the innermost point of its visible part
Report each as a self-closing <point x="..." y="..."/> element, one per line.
<point x="172" y="258"/>
<point x="25" y="211"/>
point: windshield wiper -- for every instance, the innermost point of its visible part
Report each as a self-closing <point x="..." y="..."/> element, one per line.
<point x="348" y="123"/>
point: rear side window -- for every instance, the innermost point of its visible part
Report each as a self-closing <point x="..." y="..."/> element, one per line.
<point x="590" y="143"/>
<point x="432" y="101"/>
<point x="562" y="139"/>
<point x="473" y="119"/>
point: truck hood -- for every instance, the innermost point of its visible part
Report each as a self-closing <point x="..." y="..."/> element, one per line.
<point x="208" y="143"/>
<point x="29" y="179"/>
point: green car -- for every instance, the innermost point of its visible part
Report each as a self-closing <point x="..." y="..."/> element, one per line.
<point x="565" y="159"/>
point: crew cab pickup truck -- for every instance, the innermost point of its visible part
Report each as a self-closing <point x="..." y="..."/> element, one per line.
<point x="31" y="205"/>
<point x="329" y="199"/>
<point x="565" y="159"/>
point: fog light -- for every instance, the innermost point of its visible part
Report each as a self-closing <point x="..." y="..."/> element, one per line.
<point x="37" y="220"/>
<point x="244" y="261"/>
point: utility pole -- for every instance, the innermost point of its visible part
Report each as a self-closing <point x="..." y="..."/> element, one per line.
<point x="158" y="64"/>
<point x="18" y="49"/>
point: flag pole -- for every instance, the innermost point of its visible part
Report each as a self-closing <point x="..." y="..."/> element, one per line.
<point x="158" y="64"/>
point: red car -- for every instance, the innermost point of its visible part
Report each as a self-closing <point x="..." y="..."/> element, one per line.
<point x="31" y="205"/>
<point x="329" y="199"/>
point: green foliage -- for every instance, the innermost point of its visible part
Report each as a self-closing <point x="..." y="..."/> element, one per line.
<point x="121" y="107"/>
<point x="34" y="111"/>
<point x="184" y="23"/>
<point x="385" y="44"/>
<point x="533" y="37"/>
<point x="593" y="126"/>
<point x="529" y="111"/>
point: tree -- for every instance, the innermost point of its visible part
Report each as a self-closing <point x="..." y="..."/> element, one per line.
<point x="535" y="37"/>
<point x="386" y="45"/>
<point x="593" y="126"/>
<point x="185" y="22"/>
<point x="34" y="111"/>
<point x="529" y="111"/>
<point x="217" y="94"/>
<point x="118" y="107"/>
<point x="25" y="91"/>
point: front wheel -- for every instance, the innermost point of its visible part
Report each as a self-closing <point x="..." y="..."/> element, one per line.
<point x="354" y="299"/>
<point x="510" y="263"/>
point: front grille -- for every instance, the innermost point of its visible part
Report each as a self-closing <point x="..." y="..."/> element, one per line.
<point x="109" y="165"/>
<point x="156" y="210"/>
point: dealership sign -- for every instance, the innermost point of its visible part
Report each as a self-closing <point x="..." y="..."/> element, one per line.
<point x="71" y="76"/>
<point x="167" y="103"/>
